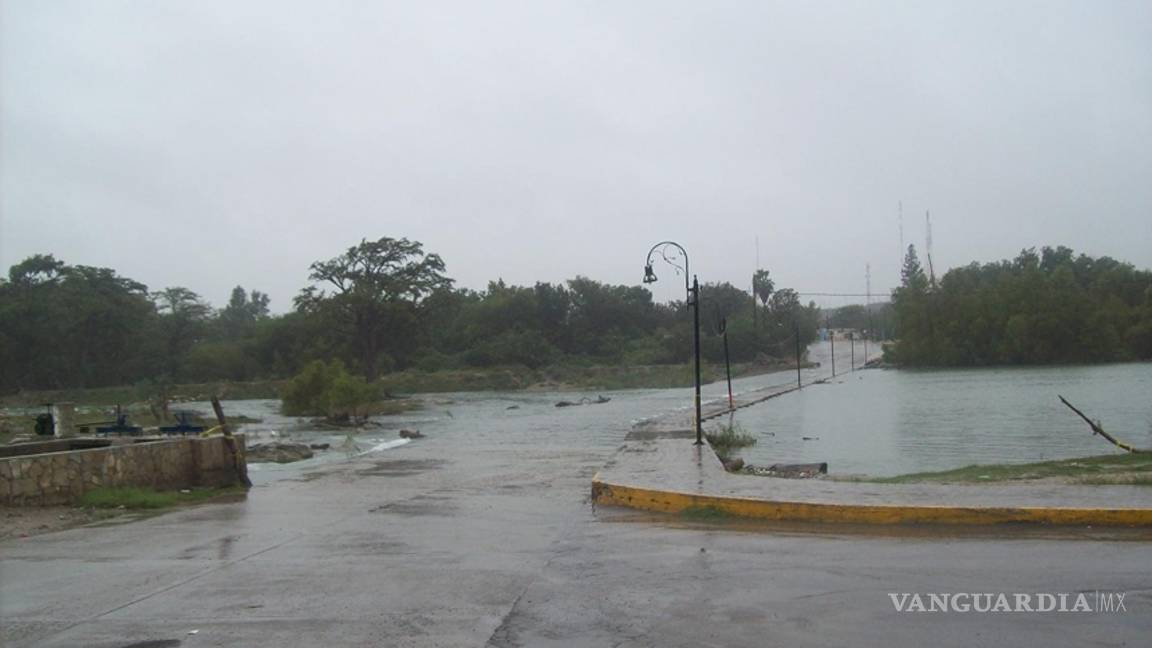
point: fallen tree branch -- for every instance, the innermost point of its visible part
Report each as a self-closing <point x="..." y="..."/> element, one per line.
<point x="1096" y="429"/>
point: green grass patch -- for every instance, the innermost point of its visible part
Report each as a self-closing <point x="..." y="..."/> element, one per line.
<point x="725" y="438"/>
<point x="125" y="394"/>
<point x="146" y="498"/>
<point x="1129" y="468"/>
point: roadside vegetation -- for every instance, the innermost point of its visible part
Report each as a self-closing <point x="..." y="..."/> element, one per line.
<point x="726" y="438"/>
<point x="326" y="389"/>
<point x="1129" y="468"/>
<point x="1039" y="308"/>
<point x="388" y="311"/>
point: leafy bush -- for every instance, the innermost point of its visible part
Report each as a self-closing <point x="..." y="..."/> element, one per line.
<point x="726" y="438"/>
<point x="327" y="389"/>
<point x="348" y="397"/>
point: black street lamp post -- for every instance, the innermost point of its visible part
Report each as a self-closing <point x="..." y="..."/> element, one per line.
<point x="693" y="291"/>
<point x="722" y="326"/>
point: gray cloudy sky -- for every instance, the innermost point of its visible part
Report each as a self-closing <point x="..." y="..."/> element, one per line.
<point x="207" y="144"/>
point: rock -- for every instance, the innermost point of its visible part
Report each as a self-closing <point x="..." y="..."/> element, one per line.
<point x="319" y="446"/>
<point x="583" y="401"/>
<point x="794" y="471"/>
<point x="733" y="465"/>
<point x="278" y="452"/>
<point x="411" y="434"/>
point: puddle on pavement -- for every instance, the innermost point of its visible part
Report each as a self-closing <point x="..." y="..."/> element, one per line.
<point x="418" y="506"/>
<point x="401" y="467"/>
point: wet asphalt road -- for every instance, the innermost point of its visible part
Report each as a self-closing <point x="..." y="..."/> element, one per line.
<point x="473" y="545"/>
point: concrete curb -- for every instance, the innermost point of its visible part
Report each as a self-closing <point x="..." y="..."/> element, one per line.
<point x="646" y="499"/>
<point x="674" y="476"/>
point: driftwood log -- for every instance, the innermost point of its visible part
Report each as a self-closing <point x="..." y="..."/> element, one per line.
<point x="1097" y="429"/>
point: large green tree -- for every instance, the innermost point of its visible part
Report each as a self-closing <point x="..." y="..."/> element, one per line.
<point x="67" y="326"/>
<point x="371" y="293"/>
<point x="1046" y="307"/>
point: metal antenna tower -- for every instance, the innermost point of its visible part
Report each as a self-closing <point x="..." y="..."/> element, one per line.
<point x="900" y="220"/>
<point x="928" y="247"/>
<point x="867" y="306"/>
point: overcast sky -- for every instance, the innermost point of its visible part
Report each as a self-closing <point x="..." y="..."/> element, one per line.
<point x="208" y="144"/>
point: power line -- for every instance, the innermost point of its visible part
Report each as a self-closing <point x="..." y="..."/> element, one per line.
<point x="831" y="294"/>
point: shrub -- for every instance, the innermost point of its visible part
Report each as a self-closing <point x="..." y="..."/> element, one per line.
<point x="726" y="438"/>
<point x="327" y="389"/>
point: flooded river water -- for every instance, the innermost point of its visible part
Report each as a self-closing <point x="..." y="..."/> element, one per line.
<point x="876" y="421"/>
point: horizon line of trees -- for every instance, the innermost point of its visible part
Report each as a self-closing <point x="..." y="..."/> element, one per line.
<point x="383" y="305"/>
<point x="1049" y="307"/>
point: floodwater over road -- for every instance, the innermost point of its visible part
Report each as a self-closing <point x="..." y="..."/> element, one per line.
<point x="877" y="422"/>
<point x="888" y="422"/>
<point x="482" y="534"/>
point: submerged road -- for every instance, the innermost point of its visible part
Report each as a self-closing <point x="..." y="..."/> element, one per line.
<point x="481" y="543"/>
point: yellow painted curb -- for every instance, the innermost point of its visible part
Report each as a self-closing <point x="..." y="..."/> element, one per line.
<point x="675" y="502"/>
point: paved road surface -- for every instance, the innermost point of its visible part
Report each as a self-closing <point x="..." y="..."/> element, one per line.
<point x="473" y="545"/>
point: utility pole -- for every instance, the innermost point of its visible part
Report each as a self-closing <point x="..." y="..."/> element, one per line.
<point x="755" y="308"/>
<point x="755" y="297"/>
<point x="900" y="219"/>
<point x="727" y="362"/>
<point x="867" y="306"/>
<point x="928" y="247"/>
<point x="852" y="339"/>
<point x="797" y="326"/>
<point x="832" y="339"/>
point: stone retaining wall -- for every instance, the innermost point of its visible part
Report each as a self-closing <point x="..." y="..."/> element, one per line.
<point x="60" y="477"/>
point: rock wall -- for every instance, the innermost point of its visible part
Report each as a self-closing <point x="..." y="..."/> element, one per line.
<point x="60" y="477"/>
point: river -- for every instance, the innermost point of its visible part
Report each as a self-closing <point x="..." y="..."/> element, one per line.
<point x="874" y="421"/>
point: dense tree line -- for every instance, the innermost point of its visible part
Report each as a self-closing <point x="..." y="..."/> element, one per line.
<point x="1051" y="307"/>
<point x="382" y="306"/>
<point x="877" y="321"/>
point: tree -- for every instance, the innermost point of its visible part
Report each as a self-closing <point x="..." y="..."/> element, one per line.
<point x="1041" y="307"/>
<point x="722" y="301"/>
<point x="68" y="326"/>
<point x="327" y="389"/>
<point x="36" y="269"/>
<point x="242" y="312"/>
<point x="762" y="285"/>
<point x="183" y="316"/>
<point x="375" y="287"/>
<point x="912" y="274"/>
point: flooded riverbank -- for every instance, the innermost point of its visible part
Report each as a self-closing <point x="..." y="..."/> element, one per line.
<point x="869" y="422"/>
<point x="889" y="422"/>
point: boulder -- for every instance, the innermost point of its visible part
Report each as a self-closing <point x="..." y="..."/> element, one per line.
<point x="319" y="446"/>
<point x="735" y="464"/>
<point x="278" y="452"/>
<point x="411" y="434"/>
